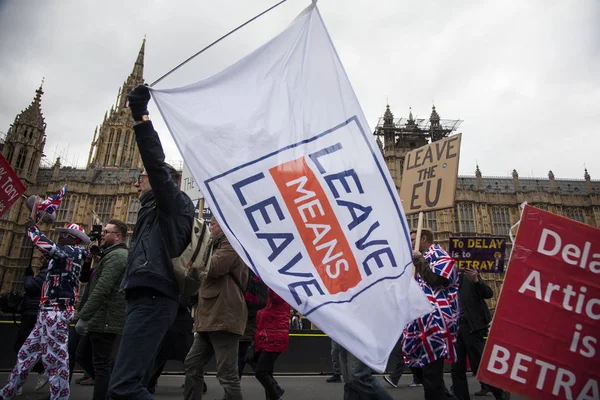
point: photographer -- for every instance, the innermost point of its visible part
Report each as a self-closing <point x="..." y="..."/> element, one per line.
<point x="103" y="316"/>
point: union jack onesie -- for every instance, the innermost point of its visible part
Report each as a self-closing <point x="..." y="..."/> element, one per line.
<point x="49" y="338"/>
<point x="433" y="336"/>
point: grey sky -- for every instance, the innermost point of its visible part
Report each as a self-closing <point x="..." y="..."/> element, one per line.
<point x="523" y="75"/>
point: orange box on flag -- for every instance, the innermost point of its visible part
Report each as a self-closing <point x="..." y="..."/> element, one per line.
<point x="317" y="224"/>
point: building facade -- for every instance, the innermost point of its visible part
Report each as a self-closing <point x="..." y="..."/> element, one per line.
<point x="95" y="194"/>
<point x="485" y="206"/>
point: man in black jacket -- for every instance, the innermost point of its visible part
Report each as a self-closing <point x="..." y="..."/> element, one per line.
<point x="474" y="317"/>
<point x="162" y="232"/>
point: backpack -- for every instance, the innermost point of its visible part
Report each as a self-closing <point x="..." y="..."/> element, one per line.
<point x="187" y="266"/>
<point x="256" y="291"/>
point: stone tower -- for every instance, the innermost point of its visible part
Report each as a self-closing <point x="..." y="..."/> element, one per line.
<point x="114" y="142"/>
<point x="401" y="135"/>
<point x="25" y="140"/>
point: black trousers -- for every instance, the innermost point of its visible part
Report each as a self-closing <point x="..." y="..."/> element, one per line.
<point x="468" y="344"/>
<point x="433" y="381"/>
<point x="100" y="365"/>
<point x="149" y="317"/>
<point x="400" y="366"/>
<point x="80" y="351"/>
<point x="265" y="366"/>
<point x="243" y="347"/>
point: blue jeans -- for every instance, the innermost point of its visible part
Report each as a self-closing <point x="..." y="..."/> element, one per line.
<point x="149" y="317"/>
<point x="359" y="383"/>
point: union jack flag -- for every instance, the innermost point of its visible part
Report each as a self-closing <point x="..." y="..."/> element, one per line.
<point x="52" y="202"/>
<point x="433" y="336"/>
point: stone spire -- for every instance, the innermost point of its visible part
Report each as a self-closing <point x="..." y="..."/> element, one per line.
<point x="515" y="176"/>
<point x="435" y="128"/>
<point x="434" y="118"/>
<point x="552" y="181"/>
<point x="25" y="140"/>
<point x="478" y="177"/>
<point x="586" y="175"/>
<point x="389" y="136"/>
<point x="114" y="145"/>
<point x="135" y="78"/>
<point x="388" y="117"/>
<point x="411" y="123"/>
<point x="32" y="115"/>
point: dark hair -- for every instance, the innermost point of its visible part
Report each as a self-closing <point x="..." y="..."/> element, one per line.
<point x="426" y="233"/>
<point x="121" y="227"/>
<point x="175" y="175"/>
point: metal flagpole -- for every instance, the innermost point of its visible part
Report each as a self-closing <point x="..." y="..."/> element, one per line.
<point x="215" y="42"/>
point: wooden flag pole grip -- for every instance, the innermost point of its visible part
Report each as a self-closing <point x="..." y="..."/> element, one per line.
<point x="418" y="237"/>
<point x="419" y="229"/>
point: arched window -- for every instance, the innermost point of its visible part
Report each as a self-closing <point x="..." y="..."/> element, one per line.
<point x="21" y="160"/>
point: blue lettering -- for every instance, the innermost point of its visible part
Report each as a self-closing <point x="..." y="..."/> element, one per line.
<point x="328" y="150"/>
<point x="237" y="187"/>
<point x="376" y="255"/>
<point x="362" y="243"/>
<point x="284" y="270"/>
<point x="262" y="207"/>
<point x="304" y="285"/>
<point x="356" y="219"/>
<point x="341" y="176"/>
<point x="272" y="237"/>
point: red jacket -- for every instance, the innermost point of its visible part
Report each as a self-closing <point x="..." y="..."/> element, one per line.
<point x="272" y="325"/>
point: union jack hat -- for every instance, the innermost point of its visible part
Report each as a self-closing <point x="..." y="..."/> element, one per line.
<point x="75" y="230"/>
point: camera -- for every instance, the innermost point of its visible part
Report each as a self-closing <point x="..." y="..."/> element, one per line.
<point x="96" y="233"/>
<point x="95" y="236"/>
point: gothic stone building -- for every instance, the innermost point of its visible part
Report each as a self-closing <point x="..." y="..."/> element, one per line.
<point x="102" y="191"/>
<point x="485" y="206"/>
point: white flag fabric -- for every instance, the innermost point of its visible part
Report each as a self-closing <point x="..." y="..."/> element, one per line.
<point x="283" y="154"/>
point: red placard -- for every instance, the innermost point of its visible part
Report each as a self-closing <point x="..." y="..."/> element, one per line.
<point x="544" y="340"/>
<point x="11" y="187"/>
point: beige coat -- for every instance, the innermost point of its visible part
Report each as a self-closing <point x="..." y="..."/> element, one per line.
<point x="221" y="304"/>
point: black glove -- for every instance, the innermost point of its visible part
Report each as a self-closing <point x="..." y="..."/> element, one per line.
<point x="28" y="271"/>
<point x="138" y="100"/>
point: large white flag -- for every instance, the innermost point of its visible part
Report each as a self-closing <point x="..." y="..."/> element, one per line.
<point x="281" y="149"/>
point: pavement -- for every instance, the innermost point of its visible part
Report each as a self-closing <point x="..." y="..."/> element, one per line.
<point x="300" y="387"/>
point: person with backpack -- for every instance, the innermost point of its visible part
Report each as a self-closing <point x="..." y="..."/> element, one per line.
<point x="270" y="341"/>
<point x="220" y="318"/>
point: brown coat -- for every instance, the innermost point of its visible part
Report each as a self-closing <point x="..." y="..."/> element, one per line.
<point x="221" y="304"/>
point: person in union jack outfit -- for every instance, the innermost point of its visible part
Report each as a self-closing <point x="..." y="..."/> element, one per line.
<point x="430" y="340"/>
<point x="49" y="337"/>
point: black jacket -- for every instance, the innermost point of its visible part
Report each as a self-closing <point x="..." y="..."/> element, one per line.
<point x="164" y="225"/>
<point x="472" y="297"/>
<point x="33" y="292"/>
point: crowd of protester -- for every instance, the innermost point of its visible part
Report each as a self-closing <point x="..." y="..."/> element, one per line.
<point x="133" y="316"/>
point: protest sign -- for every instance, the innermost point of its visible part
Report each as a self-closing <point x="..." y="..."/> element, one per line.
<point x="429" y="176"/>
<point x="543" y="343"/>
<point x="189" y="187"/>
<point x="299" y="186"/>
<point x="483" y="254"/>
<point x="11" y="187"/>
